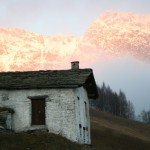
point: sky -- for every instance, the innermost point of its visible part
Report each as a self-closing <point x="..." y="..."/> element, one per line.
<point x="73" y="17"/>
<point x="54" y="17"/>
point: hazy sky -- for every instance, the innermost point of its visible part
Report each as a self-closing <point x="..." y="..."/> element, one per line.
<point x="62" y="16"/>
<point x="53" y="17"/>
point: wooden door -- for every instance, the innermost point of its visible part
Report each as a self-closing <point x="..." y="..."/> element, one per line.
<point x="38" y="112"/>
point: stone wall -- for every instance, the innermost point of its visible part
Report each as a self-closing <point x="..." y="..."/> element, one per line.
<point x="5" y="120"/>
<point x="83" y="118"/>
<point x="65" y="110"/>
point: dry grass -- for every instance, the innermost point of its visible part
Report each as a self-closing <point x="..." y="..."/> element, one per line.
<point x="108" y="133"/>
<point x="35" y="141"/>
<point x="115" y="133"/>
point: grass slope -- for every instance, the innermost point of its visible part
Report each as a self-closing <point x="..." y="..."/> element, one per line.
<point x="108" y="133"/>
<point x="36" y="141"/>
<point x="114" y="133"/>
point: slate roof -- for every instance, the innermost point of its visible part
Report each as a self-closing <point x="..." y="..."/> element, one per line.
<point x="49" y="79"/>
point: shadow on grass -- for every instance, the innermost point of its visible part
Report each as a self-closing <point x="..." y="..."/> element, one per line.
<point x="35" y="141"/>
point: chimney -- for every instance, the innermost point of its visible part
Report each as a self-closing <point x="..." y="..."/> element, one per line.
<point x="75" y="65"/>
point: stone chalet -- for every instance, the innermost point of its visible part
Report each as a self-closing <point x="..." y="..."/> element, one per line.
<point x="55" y="100"/>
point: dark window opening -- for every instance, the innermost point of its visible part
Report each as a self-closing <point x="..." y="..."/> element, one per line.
<point x="85" y="109"/>
<point x="84" y="134"/>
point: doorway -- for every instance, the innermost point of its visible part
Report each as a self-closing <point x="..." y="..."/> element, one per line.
<point x="38" y="111"/>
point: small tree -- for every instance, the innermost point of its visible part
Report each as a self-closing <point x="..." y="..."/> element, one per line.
<point x="145" y="116"/>
<point x="130" y="111"/>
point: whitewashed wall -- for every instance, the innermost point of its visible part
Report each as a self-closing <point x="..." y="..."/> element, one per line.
<point x="83" y="118"/>
<point x="65" y="110"/>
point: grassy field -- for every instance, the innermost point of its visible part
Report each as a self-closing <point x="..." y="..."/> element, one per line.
<point x="108" y="133"/>
<point x="115" y="133"/>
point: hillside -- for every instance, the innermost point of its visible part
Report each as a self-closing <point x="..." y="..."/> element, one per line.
<point x="114" y="133"/>
<point x="108" y="133"/>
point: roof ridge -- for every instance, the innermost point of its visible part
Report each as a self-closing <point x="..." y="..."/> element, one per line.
<point x="36" y="71"/>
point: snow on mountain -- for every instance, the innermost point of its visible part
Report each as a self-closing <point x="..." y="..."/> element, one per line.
<point x="121" y="33"/>
<point x="22" y="50"/>
<point x="112" y="33"/>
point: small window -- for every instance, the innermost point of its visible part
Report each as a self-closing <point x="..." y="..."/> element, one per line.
<point x="85" y="104"/>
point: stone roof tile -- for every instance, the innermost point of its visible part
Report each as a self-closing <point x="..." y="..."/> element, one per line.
<point x="48" y="79"/>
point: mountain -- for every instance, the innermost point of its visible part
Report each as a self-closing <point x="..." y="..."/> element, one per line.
<point x="112" y="34"/>
<point x="22" y="50"/>
<point x="121" y="33"/>
<point x="108" y="132"/>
